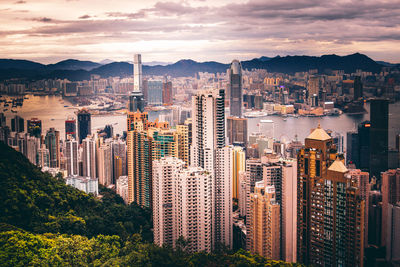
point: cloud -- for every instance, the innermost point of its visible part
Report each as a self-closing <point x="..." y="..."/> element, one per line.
<point x="85" y="17"/>
<point x="43" y="19"/>
<point x="256" y="26"/>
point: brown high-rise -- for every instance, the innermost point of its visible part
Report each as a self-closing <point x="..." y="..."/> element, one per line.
<point x="263" y="232"/>
<point x="330" y="213"/>
<point x="237" y="131"/>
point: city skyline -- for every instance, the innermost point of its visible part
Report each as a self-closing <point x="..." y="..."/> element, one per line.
<point x="50" y="31"/>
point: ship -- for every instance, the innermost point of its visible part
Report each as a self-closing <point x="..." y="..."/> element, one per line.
<point x="255" y="114"/>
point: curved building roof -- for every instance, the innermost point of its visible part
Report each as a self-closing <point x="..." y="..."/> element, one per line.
<point x="236" y="67"/>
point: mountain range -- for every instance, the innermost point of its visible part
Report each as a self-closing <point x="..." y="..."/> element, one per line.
<point x="81" y="70"/>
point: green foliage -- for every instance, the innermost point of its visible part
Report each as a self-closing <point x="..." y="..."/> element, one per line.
<point x="37" y="202"/>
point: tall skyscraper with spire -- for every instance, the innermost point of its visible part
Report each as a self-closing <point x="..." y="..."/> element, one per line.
<point x="136" y="98"/>
<point x="235" y="88"/>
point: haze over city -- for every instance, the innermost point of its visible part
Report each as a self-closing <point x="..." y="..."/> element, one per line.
<point x="48" y="31"/>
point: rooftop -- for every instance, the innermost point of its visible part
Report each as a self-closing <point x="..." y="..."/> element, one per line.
<point x="338" y="166"/>
<point x="319" y="134"/>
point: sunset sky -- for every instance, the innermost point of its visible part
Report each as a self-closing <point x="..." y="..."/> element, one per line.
<point x="48" y="31"/>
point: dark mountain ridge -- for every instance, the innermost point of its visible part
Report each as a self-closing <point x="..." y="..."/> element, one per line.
<point x="81" y="70"/>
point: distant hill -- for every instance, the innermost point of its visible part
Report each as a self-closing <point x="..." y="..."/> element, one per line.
<point x="73" y="64"/>
<point x="81" y="70"/>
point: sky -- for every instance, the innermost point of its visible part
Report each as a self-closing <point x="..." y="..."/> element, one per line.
<point x="48" y="31"/>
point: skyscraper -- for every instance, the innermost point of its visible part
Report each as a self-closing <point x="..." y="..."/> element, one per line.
<point x="84" y="125"/>
<point x="52" y="141"/>
<point x="379" y="132"/>
<point x="155" y="92"/>
<point x="137" y="73"/>
<point x="119" y="158"/>
<point x="358" y="88"/>
<point x="105" y="164"/>
<point x="393" y="233"/>
<point x="390" y="196"/>
<point x="330" y="213"/>
<point x="237" y="131"/>
<point x="209" y="152"/>
<point x="139" y="155"/>
<point x="70" y="127"/>
<point x="183" y="143"/>
<point x="71" y="155"/>
<point x="167" y="93"/>
<point x="239" y="165"/>
<point x="34" y="127"/>
<point x="182" y="204"/>
<point x="235" y="89"/>
<point x="89" y="157"/>
<point x="2" y="120"/>
<point x="136" y="98"/>
<point x="17" y="124"/>
<point x="263" y="233"/>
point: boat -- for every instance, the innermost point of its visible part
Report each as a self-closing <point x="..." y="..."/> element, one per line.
<point x="255" y="114"/>
<point x="13" y="111"/>
<point x="5" y="109"/>
<point x="66" y="106"/>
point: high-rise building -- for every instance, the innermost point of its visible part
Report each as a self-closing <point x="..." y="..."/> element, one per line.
<point x="34" y="127"/>
<point x="167" y="93"/>
<point x="358" y="88"/>
<point x="289" y="211"/>
<point x="32" y="146"/>
<point x="17" y="124"/>
<point x="2" y="120"/>
<point x="393" y="233"/>
<point x="52" y="141"/>
<point x="155" y="92"/>
<point x="84" y="124"/>
<point x="209" y="152"/>
<point x="70" y="128"/>
<point x="136" y="98"/>
<point x="379" y="133"/>
<point x="254" y="173"/>
<point x="239" y="165"/>
<point x="362" y="180"/>
<point x="43" y="157"/>
<point x="330" y="212"/>
<point x="183" y="143"/>
<point x="139" y="155"/>
<point x="313" y="90"/>
<point x="122" y="187"/>
<point x="374" y="218"/>
<point x="182" y="204"/>
<point x="364" y="147"/>
<point x="358" y="146"/>
<point x="263" y="233"/>
<point x="237" y="131"/>
<point x="235" y="89"/>
<point x="89" y="157"/>
<point x="105" y="164"/>
<point x="71" y="155"/>
<point x="119" y="158"/>
<point x="137" y="73"/>
<point x="390" y="196"/>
